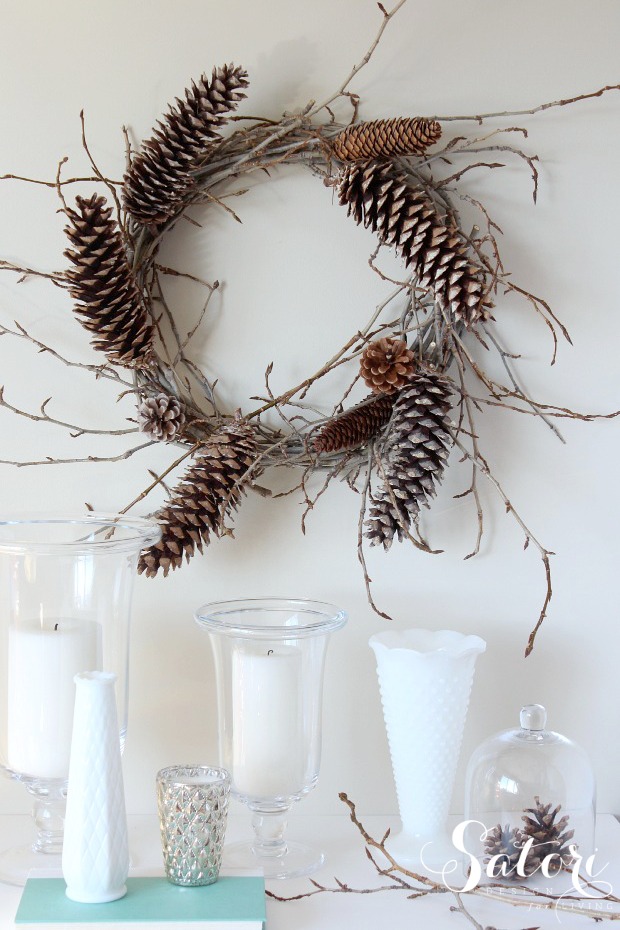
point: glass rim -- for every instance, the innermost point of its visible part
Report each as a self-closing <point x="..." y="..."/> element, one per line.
<point x="177" y="774"/>
<point x="223" y="617"/>
<point x="143" y="531"/>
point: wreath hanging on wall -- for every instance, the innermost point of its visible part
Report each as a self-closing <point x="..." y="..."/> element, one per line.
<point x="398" y="177"/>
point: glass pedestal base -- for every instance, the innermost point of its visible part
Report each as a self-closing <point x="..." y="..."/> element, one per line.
<point x="295" y="861"/>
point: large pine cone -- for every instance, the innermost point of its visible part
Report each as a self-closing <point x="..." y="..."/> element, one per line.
<point x="209" y="491"/>
<point x="356" y="426"/>
<point x="551" y="838"/>
<point x="407" y="219"/>
<point x="387" y="365"/>
<point x="414" y="458"/>
<point x="108" y="303"/>
<point x="159" y="179"/>
<point x="386" y="138"/>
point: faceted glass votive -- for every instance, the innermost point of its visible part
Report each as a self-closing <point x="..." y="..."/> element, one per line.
<point x="192" y="801"/>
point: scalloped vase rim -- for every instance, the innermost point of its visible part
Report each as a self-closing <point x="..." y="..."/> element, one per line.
<point x="429" y="642"/>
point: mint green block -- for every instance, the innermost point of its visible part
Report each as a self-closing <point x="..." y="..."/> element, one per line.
<point x="231" y="898"/>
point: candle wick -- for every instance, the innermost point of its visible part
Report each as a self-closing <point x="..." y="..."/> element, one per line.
<point x="55" y="627"/>
<point x="270" y="652"/>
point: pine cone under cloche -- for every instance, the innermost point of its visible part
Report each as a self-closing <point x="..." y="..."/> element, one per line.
<point x="407" y="219"/>
<point x="550" y="834"/>
<point x="108" y="303"/>
<point x="162" y="417"/>
<point x="414" y="458"/>
<point x="356" y="426"/>
<point x="507" y="843"/>
<point x="159" y="179"/>
<point x="387" y="365"/>
<point x="386" y="138"/>
<point x="209" y="491"/>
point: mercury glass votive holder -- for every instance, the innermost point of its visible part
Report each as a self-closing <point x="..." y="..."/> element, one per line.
<point x="192" y="801"/>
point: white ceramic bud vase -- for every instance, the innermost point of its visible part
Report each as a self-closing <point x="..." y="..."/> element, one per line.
<point x="425" y="680"/>
<point x="95" y="856"/>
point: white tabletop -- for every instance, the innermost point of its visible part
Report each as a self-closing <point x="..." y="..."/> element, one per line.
<point x="346" y="861"/>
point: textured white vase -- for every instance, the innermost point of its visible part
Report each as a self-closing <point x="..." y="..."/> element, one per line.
<point x="95" y="856"/>
<point x="425" y="680"/>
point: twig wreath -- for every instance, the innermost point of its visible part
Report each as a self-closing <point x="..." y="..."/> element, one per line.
<point x="399" y="178"/>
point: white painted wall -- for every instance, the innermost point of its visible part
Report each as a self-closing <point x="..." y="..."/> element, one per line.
<point x="296" y="287"/>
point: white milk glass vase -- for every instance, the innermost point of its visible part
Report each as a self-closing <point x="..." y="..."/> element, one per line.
<point x="269" y="658"/>
<point x="425" y="680"/>
<point x="66" y="584"/>
<point x="95" y="854"/>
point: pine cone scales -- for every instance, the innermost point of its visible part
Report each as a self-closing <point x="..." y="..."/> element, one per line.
<point x="356" y="426"/>
<point x="507" y="843"/>
<point x="551" y="838"/>
<point x="159" y="179"/>
<point x="414" y="458"/>
<point x="386" y="138"/>
<point x="161" y="417"/>
<point x="407" y="220"/>
<point x="387" y="365"/>
<point x="210" y="489"/>
<point x="107" y="299"/>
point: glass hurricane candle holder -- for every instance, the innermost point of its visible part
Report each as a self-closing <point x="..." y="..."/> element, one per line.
<point x="269" y="658"/>
<point x="65" y="587"/>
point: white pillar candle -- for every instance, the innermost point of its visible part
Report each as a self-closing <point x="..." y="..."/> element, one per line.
<point x="44" y="657"/>
<point x="268" y="757"/>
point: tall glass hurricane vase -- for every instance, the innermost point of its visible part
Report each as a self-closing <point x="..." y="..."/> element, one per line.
<point x="269" y="658"/>
<point x="425" y="680"/>
<point x="66" y="584"/>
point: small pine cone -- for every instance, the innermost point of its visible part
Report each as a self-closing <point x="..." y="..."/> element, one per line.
<point x="551" y="838"/>
<point x="414" y="457"/>
<point x="356" y="426"/>
<point x="161" y="417"/>
<point x="387" y="365"/>
<point x="159" y="180"/>
<point x="385" y="138"/>
<point x="210" y="490"/>
<point x="406" y="219"/>
<point x="107" y="299"/>
<point x="507" y="842"/>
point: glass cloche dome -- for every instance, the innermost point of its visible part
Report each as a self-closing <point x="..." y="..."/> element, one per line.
<point x="532" y="794"/>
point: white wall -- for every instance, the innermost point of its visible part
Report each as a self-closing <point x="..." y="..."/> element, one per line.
<point x="296" y="287"/>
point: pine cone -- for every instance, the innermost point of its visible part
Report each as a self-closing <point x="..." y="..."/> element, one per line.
<point x="551" y="838"/>
<point x="159" y="180"/>
<point x="102" y="284"/>
<point x="385" y="138"/>
<point x="161" y="417"/>
<point x="414" y="457"/>
<point x="210" y="489"/>
<point x="387" y="365"/>
<point x="407" y="219"/>
<point x="355" y="426"/>
<point x="505" y="842"/>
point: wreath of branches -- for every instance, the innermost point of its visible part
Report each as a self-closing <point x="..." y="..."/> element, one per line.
<point x="415" y="352"/>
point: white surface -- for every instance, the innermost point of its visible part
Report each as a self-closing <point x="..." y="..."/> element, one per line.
<point x="346" y="861"/>
<point x="295" y="286"/>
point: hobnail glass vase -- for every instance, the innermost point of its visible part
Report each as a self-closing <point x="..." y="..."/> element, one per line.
<point x="425" y="680"/>
<point x="269" y="657"/>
